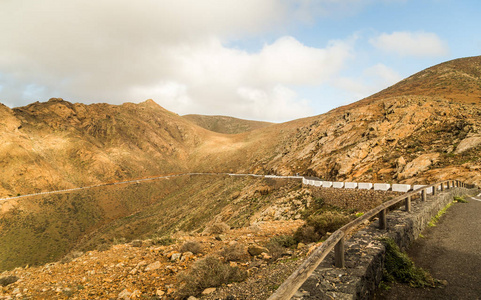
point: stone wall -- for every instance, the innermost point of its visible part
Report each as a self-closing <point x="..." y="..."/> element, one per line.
<point x="365" y="253"/>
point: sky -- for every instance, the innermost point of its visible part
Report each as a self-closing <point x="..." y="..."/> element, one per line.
<point x="270" y="60"/>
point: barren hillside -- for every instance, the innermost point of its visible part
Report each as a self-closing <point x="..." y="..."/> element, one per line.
<point x="423" y="129"/>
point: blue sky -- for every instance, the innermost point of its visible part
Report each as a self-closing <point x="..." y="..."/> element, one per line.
<point x="273" y="60"/>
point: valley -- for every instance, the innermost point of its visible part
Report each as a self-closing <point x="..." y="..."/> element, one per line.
<point x="424" y="129"/>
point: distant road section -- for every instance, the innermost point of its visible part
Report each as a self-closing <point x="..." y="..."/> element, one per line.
<point x="145" y="179"/>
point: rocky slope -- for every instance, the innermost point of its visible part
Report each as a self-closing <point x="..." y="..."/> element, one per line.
<point x="57" y="144"/>
<point x="262" y="217"/>
<point x="424" y="129"/>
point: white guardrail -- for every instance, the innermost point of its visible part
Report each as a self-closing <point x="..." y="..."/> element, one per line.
<point x="403" y="188"/>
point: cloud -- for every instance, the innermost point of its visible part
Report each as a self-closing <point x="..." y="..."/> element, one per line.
<point x="207" y="77"/>
<point x="422" y="44"/>
<point x="277" y="104"/>
<point x="372" y="80"/>
<point x="173" y="51"/>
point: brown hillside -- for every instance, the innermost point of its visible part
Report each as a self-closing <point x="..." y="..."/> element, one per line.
<point x="422" y="129"/>
<point x="223" y="124"/>
<point x="406" y="133"/>
<point x="458" y="80"/>
<point x="58" y="144"/>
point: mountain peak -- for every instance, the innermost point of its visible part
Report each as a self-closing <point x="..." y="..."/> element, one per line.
<point x="457" y="80"/>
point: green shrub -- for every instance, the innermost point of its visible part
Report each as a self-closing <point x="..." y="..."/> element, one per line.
<point x="399" y="267"/>
<point x="460" y="199"/>
<point x="318" y="225"/>
<point x="206" y="273"/>
<point x="306" y="234"/>
<point x="277" y="245"/>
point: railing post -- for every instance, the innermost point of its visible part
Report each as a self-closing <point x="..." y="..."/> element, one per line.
<point x="434" y="189"/>
<point x="448" y="185"/>
<point x="442" y="186"/>
<point x="423" y="195"/>
<point x="407" y="203"/>
<point x="382" y="219"/>
<point x="339" y="254"/>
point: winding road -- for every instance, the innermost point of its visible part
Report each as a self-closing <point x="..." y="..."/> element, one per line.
<point x="145" y="179"/>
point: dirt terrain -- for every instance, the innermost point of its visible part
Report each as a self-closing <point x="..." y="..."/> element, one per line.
<point x="424" y="129"/>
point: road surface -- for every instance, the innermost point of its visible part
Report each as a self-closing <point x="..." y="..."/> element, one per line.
<point x="450" y="251"/>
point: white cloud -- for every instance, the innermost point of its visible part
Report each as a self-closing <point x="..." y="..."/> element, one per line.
<point x="372" y="80"/>
<point x="277" y="104"/>
<point x="170" y="50"/>
<point x="288" y="61"/>
<point x="207" y="77"/>
<point x="422" y="44"/>
<point x="381" y="75"/>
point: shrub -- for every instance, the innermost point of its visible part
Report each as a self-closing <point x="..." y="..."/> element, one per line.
<point x="217" y="228"/>
<point x="460" y="199"/>
<point x="399" y="267"/>
<point x="306" y="234"/>
<point x="206" y="273"/>
<point x="234" y="252"/>
<point x="4" y="281"/>
<point x="191" y="246"/>
<point x="278" y="244"/>
<point x="285" y="241"/>
<point x="328" y="221"/>
<point x="318" y="225"/>
<point x="163" y="241"/>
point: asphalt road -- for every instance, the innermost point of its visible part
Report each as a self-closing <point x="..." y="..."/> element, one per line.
<point x="450" y="251"/>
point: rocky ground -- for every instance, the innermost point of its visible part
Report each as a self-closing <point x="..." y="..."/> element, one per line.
<point x="144" y="270"/>
<point x="150" y="269"/>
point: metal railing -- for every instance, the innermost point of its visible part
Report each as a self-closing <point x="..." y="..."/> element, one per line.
<point x="336" y="240"/>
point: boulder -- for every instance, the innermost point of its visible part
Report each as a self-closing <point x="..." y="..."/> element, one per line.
<point x="255" y="250"/>
<point x="208" y="291"/>
<point x="153" y="266"/>
<point x="468" y="143"/>
<point x="418" y="165"/>
<point x="175" y="256"/>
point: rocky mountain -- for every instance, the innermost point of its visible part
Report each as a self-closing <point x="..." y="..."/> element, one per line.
<point x="424" y="129"/>
<point x="223" y="124"/>
<point x="57" y="144"/>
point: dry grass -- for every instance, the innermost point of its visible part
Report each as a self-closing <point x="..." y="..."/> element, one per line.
<point x="192" y="246"/>
<point x="235" y="252"/>
<point x="206" y="273"/>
